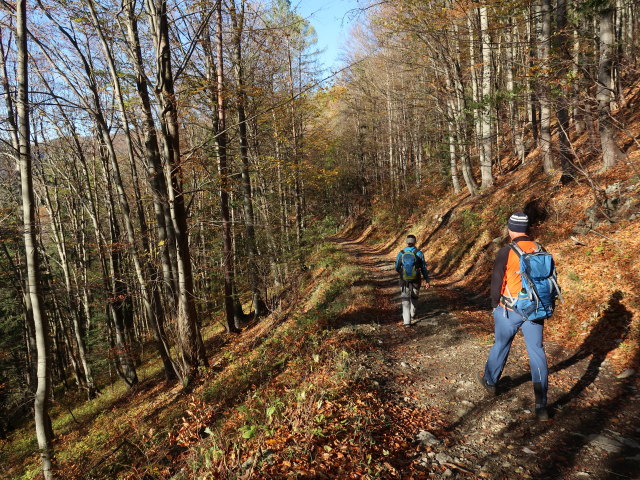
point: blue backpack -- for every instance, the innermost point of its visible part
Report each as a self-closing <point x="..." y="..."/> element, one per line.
<point x="409" y="270"/>
<point x="540" y="288"/>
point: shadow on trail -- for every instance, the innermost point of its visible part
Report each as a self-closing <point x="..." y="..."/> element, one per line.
<point x="561" y="455"/>
<point x="585" y="424"/>
<point x="580" y="423"/>
<point x="609" y="332"/>
<point x="612" y="328"/>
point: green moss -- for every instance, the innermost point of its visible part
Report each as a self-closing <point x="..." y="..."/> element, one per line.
<point x="471" y="220"/>
<point x="573" y="276"/>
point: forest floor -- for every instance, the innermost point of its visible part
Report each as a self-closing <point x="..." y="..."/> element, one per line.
<point x="332" y="386"/>
<point x="433" y="365"/>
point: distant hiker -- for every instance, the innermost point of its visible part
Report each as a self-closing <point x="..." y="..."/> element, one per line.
<point x="412" y="268"/>
<point x="523" y="293"/>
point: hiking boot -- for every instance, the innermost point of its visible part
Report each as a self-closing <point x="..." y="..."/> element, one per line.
<point x="407" y="325"/>
<point x="491" y="389"/>
<point x="542" y="414"/>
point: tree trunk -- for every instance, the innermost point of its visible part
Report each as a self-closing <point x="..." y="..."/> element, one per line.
<point x="452" y="151"/>
<point x="515" y="123"/>
<point x="578" y="113"/>
<point x="152" y="307"/>
<point x="532" y="26"/>
<point x="563" y="52"/>
<point x="611" y="154"/>
<point x="295" y="154"/>
<point x="155" y="171"/>
<point x="487" y="153"/>
<point x="190" y="338"/>
<point x="545" y="102"/>
<point x="460" y="106"/>
<point x="223" y="169"/>
<point x="238" y="24"/>
<point x="475" y="95"/>
<point x="41" y="401"/>
<point x="116" y="290"/>
<point x="28" y="310"/>
<point x="451" y="126"/>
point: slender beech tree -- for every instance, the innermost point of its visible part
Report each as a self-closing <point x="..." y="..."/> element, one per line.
<point x="26" y="298"/>
<point x="41" y="401"/>
<point x="190" y="337"/>
<point x="544" y="41"/>
<point x="611" y="153"/>
<point x="485" y="114"/>
<point x="237" y="18"/>
<point x="223" y="170"/>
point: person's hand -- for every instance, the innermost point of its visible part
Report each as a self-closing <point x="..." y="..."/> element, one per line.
<point x="427" y="285"/>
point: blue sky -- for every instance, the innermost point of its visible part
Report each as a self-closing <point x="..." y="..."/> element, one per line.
<point x="332" y="22"/>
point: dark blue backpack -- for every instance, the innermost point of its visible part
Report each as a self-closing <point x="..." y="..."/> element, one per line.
<point x="540" y="288"/>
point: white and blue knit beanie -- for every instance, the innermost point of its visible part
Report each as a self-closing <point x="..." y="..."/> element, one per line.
<point x="518" y="222"/>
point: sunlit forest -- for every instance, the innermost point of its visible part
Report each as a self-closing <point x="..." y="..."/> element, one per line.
<point x="199" y="223"/>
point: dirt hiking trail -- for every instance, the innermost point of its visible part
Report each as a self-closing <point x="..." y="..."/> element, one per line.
<point x="593" y="432"/>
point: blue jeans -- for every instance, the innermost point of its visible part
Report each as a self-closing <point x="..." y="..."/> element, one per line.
<point x="507" y="323"/>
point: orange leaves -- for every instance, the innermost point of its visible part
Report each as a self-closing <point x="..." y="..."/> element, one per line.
<point x="355" y="435"/>
<point x="194" y="426"/>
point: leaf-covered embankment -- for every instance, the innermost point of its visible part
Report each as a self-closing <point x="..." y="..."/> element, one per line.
<point x="287" y="395"/>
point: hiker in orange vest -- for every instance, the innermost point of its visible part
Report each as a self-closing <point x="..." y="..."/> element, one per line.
<point x="411" y="267"/>
<point x="506" y="285"/>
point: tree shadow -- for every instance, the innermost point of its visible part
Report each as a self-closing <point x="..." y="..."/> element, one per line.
<point x="216" y="342"/>
<point x="390" y="245"/>
<point x="444" y="221"/>
<point x="452" y="259"/>
<point x="537" y="210"/>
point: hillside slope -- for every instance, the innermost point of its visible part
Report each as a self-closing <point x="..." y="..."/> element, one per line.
<point x="319" y="389"/>
<point x="592" y="227"/>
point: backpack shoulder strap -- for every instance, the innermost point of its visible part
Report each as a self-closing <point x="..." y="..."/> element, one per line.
<point x="516" y="248"/>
